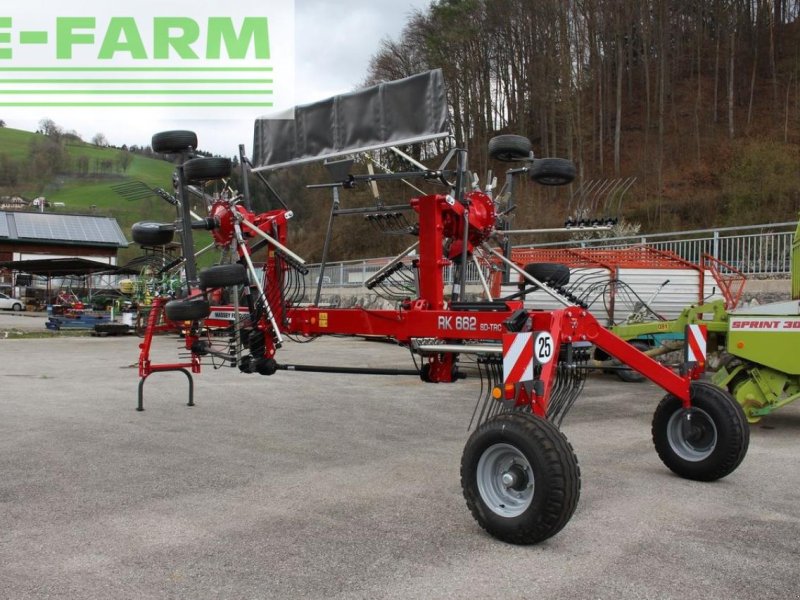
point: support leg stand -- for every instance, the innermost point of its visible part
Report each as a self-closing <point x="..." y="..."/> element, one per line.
<point x="140" y="406"/>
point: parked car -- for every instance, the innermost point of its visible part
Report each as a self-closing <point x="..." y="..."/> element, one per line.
<point x="9" y="303"/>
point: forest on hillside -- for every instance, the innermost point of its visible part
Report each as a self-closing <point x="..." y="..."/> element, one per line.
<point x="699" y="100"/>
<point x="695" y="102"/>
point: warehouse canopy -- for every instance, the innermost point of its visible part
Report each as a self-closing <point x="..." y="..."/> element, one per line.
<point x="406" y="111"/>
<point x="63" y="267"/>
<point x="74" y="230"/>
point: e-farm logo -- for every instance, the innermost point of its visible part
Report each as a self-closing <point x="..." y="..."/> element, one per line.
<point x="154" y="58"/>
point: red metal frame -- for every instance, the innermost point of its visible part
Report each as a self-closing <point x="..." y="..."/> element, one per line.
<point x="730" y="280"/>
<point x="427" y="316"/>
<point x="157" y="322"/>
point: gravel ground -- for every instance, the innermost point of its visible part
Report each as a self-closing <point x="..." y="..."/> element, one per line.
<point x="333" y="486"/>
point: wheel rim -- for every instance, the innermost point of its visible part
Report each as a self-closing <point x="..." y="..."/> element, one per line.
<point x="505" y="480"/>
<point x="692" y="434"/>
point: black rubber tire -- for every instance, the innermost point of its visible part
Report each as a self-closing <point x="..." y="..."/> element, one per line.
<point x="16" y="307"/>
<point x="425" y="373"/>
<point x="172" y="142"/>
<point x="719" y="421"/>
<point x="629" y="375"/>
<point x="509" y="148"/>
<point x="148" y="233"/>
<point x="552" y="171"/>
<point x="206" y="169"/>
<point x="554" y="274"/>
<point x="220" y="276"/>
<point x="556" y="476"/>
<point x="187" y="310"/>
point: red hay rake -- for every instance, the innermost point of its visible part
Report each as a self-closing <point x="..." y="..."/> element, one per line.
<point x="519" y="474"/>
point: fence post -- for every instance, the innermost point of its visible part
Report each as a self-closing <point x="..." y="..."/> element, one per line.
<point x="715" y="250"/>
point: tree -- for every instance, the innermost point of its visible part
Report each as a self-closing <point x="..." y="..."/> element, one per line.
<point x="665" y="87"/>
<point x="49" y="128"/>
<point x="99" y="139"/>
<point x="83" y="166"/>
<point x="2" y="123"/>
<point x="9" y="171"/>
<point x="46" y="157"/>
<point x="124" y="160"/>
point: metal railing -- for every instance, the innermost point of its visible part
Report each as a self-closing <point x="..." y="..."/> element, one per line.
<point x="354" y="273"/>
<point x="753" y="249"/>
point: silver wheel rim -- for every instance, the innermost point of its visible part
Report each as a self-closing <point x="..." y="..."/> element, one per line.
<point x="692" y="434"/>
<point x="505" y="480"/>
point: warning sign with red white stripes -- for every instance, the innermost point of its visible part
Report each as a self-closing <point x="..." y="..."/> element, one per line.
<point x="517" y="357"/>
<point x="696" y="343"/>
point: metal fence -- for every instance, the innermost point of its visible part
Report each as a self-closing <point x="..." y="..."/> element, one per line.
<point x="754" y="250"/>
<point x="354" y="273"/>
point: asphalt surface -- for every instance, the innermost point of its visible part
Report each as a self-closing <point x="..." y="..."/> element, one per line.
<point x="333" y="486"/>
<point x="14" y="322"/>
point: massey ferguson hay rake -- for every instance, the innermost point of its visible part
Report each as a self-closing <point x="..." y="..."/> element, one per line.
<point x="519" y="474"/>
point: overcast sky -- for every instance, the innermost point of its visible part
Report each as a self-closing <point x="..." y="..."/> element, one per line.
<point x="334" y="41"/>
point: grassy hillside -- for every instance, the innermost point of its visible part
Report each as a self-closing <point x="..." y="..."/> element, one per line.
<point x="84" y="179"/>
<point x="15" y="143"/>
<point x="84" y="188"/>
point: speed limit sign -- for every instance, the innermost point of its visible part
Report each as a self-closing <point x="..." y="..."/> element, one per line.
<point x="543" y="347"/>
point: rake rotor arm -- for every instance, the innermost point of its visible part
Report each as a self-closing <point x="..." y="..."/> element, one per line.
<point x="353" y="180"/>
<point x="254" y="229"/>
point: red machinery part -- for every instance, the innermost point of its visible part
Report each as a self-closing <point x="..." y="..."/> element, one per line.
<point x="568" y="325"/>
<point x="429" y="316"/>
<point x="222" y="213"/>
<point x="516" y="461"/>
<point x="450" y="220"/>
<point x="158" y="323"/>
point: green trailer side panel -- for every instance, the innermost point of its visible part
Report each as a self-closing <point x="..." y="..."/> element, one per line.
<point x="796" y="264"/>
<point x="772" y="341"/>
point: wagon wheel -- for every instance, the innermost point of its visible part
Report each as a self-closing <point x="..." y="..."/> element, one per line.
<point x="553" y="274"/>
<point x="705" y="442"/>
<point x="187" y="310"/>
<point x="552" y="171"/>
<point x="509" y="148"/>
<point x="172" y="142"/>
<point x="147" y="233"/>
<point x="199" y="170"/>
<point x="520" y="478"/>
<point x="218" y="276"/>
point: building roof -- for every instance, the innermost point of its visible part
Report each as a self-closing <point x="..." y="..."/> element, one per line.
<point x="78" y="230"/>
<point x="61" y="267"/>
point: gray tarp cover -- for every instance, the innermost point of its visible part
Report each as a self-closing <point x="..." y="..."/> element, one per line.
<point x="409" y="110"/>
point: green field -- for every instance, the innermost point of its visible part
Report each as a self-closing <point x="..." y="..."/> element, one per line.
<point x="14" y="143"/>
<point x="93" y="192"/>
<point x="82" y="191"/>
